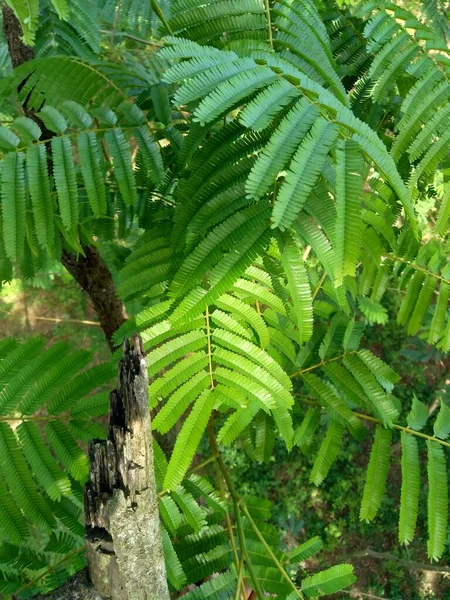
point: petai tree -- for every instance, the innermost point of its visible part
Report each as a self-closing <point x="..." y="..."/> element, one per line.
<point x="245" y="176"/>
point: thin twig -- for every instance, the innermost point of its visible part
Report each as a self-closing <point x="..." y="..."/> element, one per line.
<point x="269" y="23"/>
<point x="50" y="569"/>
<point x="131" y="37"/>
<point x="378" y="421"/>
<point x="321" y="364"/>
<point x="410" y="564"/>
<point x="270" y="552"/>
<point x="362" y="594"/>
<point x="209" y="347"/>
<point x="237" y="561"/>
<point x="319" y="285"/>
<point x="236" y="505"/>
<point x="239" y="581"/>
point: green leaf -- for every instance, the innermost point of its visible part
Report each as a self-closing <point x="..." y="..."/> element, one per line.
<point x="328" y="452"/>
<point x="304" y="435"/>
<point x="27" y="11"/>
<point x="19" y="479"/>
<point x="303" y="172"/>
<point x="174" y="349"/>
<point x="42" y="202"/>
<point x="231" y="92"/>
<point x="382" y="402"/>
<point x="12" y="524"/>
<point x="280" y="148"/>
<point x="305" y="550"/>
<point x="383" y="373"/>
<point x="418" y="415"/>
<point x="349" y="184"/>
<point x="46" y="470"/>
<point x="179" y="402"/>
<point x="334" y="404"/>
<point x="376" y="476"/>
<point x="298" y="284"/>
<point x="188" y="439"/>
<point x="61" y="8"/>
<point x="175" y="573"/>
<point x="53" y="119"/>
<point x="247" y="313"/>
<point x="92" y="172"/>
<point x="260" y="111"/>
<point x="13" y="204"/>
<point x="330" y="581"/>
<point x="441" y="427"/>
<point x="409" y="502"/>
<point x="236" y="423"/>
<point x="65" y="180"/>
<point x="67" y="450"/>
<point x="437" y="500"/>
<point x="123" y="169"/>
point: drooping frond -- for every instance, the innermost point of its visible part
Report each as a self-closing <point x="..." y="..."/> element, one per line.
<point x="330" y="581"/>
<point x="437" y="500"/>
<point x="349" y="184"/>
<point x="377" y="472"/>
<point x="327" y="453"/>
<point x="77" y="162"/>
<point x="409" y="502"/>
<point x="39" y="464"/>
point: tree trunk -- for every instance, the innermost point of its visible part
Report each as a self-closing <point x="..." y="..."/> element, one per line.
<point x="94" y="277"/>
<point x="123" y="538"/>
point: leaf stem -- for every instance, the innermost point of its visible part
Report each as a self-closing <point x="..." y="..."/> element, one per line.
<point x="130" y="37"/>
<point x="270" y="552"/>
<point x="269" y="23"/>
<point x="415" y="266"/>
<point x="322" y="363"/>
<point x="319" y="285"/>
<point x="156" y="8"/>
<point x="364" y="417"/>
<point x="208" y="337"/>
<point x="236" y="506"/>
<point x="50" y="569"/>
<point x="240" y="581"/>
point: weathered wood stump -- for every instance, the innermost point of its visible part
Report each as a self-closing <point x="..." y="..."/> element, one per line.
<point x="123" y="540"/>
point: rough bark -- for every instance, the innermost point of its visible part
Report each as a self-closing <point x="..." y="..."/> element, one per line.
<point x="123" y="538"/>
<point x="18" y="51"/>
<point x="94" y="277"/>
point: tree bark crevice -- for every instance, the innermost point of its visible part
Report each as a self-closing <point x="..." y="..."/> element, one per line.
<point x="94" y="277"/>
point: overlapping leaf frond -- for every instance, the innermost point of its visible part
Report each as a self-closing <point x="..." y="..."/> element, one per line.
<point x="422" y="277"/>
<point x="355" y="386"/>
<point x="84" y="155"/>
<point x="196" y="544"/>
<point x="226" y="79"/>
<point x="49" y="399"/>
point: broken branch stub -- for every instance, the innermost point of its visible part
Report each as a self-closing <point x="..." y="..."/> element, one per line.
<point x="123" y="538"/>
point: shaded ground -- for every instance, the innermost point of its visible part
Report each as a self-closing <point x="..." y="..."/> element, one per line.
<point x="53" y="307"/>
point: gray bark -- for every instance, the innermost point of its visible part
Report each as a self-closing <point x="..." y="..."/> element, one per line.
<point x="123" y="538"/>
